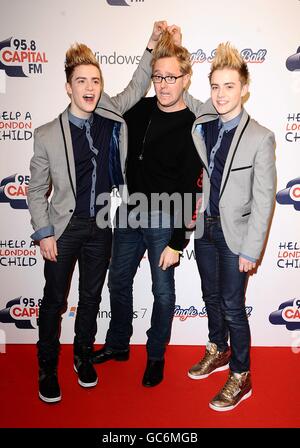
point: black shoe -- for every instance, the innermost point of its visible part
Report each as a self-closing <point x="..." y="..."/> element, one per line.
<point x="154" y="373"/>
<point x="49" y="390"/>
<point x="83" y="366"/>
<point x="105" y="354"/>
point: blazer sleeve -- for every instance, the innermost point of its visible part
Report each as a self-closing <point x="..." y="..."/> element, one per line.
<point x="135" y="90"/>
<point x="38" y="188"/>
<point x="263" y="196"/>
<point x="192" y="103"/>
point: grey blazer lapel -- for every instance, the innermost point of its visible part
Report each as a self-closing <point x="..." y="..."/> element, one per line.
<point x="69" y="149"/>
<point x="200" y="144"/>
<point x="233" y="149"/>
<point x="207" y="113"/>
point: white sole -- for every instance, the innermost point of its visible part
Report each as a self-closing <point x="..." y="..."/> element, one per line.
<point x="85" y="384"/>
<point x="49" y="400"/>
<point x="229" y="408"/>
<point x="201" y="377"/>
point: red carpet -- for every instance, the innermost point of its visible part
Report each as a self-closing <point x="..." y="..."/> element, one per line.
<point x="120" y="401"/>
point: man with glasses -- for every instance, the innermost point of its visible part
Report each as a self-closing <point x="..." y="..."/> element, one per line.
<point x="162" y="159"/>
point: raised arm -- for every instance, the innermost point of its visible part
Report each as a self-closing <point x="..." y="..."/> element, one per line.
<point x="139" y="84"/>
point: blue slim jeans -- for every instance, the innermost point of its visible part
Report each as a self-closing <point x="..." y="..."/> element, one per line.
<point x="223" y="288"/>
<point x="129" y="246"/>
<point x="84" y="242"/>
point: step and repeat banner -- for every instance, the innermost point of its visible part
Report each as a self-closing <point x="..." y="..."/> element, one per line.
<point x="34" y="36"/>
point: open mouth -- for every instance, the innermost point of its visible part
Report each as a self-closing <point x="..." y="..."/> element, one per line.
<point x="89" y="98"/>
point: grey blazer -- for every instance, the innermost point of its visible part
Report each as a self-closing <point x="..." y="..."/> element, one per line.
<point x="248" y="183"/>
<point x="53" y="164"/>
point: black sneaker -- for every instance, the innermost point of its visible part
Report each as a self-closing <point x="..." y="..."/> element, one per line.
<point x="83" y="366"/>
<point x="49" y="390"/>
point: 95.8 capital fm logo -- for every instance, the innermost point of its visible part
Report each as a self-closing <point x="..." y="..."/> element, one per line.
<point x="288" y="314"/>
<point x="290" y="195"/>
<point x="293" y="61"/>
<point x="13" y="189"/>
<point x="21" y="57"/>
<point x="21" y="311"/>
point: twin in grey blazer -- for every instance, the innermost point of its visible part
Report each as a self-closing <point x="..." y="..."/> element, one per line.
<point x="53" y="161"/>
<point x="248" y="183"/>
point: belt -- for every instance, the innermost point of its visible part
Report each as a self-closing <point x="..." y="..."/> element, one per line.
<point x="83" y="218"/>
<point x="212" y="218"/>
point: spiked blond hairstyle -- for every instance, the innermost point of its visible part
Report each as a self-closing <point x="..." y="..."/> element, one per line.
<point x="167" y="49"/>
<point x="80" y="54"/>
<point x="228" y="56"/>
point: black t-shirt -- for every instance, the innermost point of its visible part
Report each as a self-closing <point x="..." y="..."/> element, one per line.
<point x="162" y="157"/>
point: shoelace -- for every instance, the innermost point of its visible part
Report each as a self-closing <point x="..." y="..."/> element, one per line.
<point x="208" y="358"/>
<point x="230" y="387"/>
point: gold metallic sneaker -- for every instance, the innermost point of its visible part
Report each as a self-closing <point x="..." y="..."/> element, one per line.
<point x="213" y="361"/>
<point x="236" y="389"/>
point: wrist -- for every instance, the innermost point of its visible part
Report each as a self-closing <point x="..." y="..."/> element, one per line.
<point x="179" y="252"/>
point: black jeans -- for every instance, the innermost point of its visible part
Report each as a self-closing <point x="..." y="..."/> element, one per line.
<point x="84" y="242"/>
<point x="223" y="288"/>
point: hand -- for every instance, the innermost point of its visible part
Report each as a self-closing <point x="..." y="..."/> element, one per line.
<point x="48" y="248"/>
<point x="246" y="265"/>
<point x="158" y="28"/>
<point x="168" y="258"/>
<point x="175" y="31"/>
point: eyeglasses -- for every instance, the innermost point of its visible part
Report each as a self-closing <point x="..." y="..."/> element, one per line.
<point x="169" y="79"/>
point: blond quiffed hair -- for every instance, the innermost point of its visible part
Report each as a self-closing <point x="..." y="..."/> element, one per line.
<point x="166" y="48"/>
<point x="80" y="54"/>
<point x="228" y="56"/>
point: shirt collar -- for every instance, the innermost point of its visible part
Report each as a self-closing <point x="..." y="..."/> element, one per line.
<point x="231" y="124"/>
<point x="79" y="122"/>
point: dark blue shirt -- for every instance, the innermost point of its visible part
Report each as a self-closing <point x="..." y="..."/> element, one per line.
<point x="91" y="141"/>
<point x="218" y="138"/>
